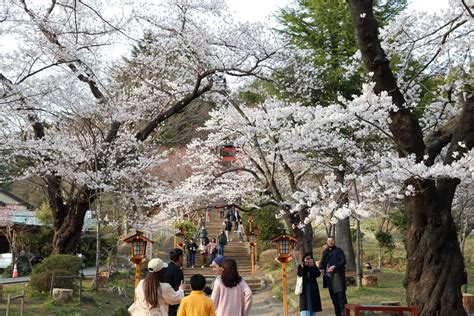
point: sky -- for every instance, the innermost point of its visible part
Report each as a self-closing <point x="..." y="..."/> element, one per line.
<point x="260" y="10"/>
<point x="263" y="10"/>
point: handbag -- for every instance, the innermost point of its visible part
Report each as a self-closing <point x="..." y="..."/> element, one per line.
<point x="299" y="286"/>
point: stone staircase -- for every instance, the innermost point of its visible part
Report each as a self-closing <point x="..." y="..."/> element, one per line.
<point x="234" y="249"/>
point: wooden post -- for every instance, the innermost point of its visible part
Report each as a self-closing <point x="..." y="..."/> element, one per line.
<point x="80" y="289"/>
<point x="252" y="256"/>
<point x="285" y="299"/>
<point x="137" y="277"/>
<point x="8" y="304"/>
<point x="22" y="304"/>
<point x="52" y="286"/>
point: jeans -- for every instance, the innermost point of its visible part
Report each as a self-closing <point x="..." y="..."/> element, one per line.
<point x="220" y="249"/>
<point x="191" y="258"/>
<point x="213" y="256"/>
<point x="239" y="234"/>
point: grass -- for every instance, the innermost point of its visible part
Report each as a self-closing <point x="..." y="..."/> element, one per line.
<point x="390" y="282"/>
<point x="103" y="302"/>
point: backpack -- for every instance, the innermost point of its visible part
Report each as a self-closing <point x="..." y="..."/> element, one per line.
<point x="222" y="239"/>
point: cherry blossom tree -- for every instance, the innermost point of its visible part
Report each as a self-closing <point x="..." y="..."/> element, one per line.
<point x="85" y="125"/>
<point x="435" y="151"/>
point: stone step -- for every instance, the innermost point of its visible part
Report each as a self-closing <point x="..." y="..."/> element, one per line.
<point x="254" y="285"/>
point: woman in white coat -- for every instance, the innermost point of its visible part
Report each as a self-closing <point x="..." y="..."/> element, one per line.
<point x="153" y="295"/>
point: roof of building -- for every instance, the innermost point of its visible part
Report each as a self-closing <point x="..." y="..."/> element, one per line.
<point x="16" y="198"/>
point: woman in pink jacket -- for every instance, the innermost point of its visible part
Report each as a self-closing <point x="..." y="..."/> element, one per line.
<point x="231" y="294"/>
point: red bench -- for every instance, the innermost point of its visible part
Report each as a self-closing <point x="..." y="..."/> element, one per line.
<point x="378" y="308"/>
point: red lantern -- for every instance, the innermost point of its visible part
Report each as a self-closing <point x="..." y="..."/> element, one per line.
<point x="228" y="152"/>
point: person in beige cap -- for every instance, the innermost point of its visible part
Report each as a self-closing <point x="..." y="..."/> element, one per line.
<point x="153" y="295"/>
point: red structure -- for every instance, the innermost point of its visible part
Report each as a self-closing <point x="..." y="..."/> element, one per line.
<point x="227" y="152"/>
<point x="376" y="308"/>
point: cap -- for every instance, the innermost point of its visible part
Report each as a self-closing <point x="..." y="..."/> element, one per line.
<point x="156" y="264"/>
<point x="218" y="261"/>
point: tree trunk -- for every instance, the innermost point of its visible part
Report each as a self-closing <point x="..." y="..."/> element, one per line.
<point x="343" y="229"/>
<point x="67" y="235"/>
<point x="434" y="262"/>
<point x="435" y="266"/>
<point x="344" y="241"/>
<point x="304" y="236"/>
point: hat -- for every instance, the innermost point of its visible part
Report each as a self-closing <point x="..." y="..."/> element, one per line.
<point x="156" y="264"/>
<point x="218" y="261"/>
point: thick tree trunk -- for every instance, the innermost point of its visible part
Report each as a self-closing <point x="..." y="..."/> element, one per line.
<point x="434" y="261"/>
<point x="343" y="229"/>
<point x="68" y="217"/>
<point x="435" y="267"/>
<point x="344" y="241"/>
<point x="67" y="235"/>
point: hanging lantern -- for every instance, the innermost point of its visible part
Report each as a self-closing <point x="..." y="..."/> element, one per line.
<point x="284" y="245"/>
<point x="227" y="152"/>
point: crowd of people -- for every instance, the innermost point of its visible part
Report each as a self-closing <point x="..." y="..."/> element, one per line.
<point x="162" y="291"/>
<point x="207" y="248"/>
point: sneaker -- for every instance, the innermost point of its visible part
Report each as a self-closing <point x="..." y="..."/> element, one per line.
<point x="202" y="266"/>
<point x="192" y="267"/>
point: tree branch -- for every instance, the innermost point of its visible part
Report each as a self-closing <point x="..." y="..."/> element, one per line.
<point x="404" y="125"/>
<point x="234" y="170"/>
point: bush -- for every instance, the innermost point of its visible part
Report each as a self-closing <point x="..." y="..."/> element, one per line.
<point x="87" y="246"/>
<point x="58" y="264"/>
<point x="264" y="218"/>
<point x="188" y="227"/>
<point x="267" y="259"/>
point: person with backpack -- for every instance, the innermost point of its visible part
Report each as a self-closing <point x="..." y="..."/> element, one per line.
<point x="203" y="234"/>
<point x="222" y="241"/>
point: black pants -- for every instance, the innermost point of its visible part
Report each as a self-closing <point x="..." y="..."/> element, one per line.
<point x="339" y="299"/>
<point x="172" y="312"/>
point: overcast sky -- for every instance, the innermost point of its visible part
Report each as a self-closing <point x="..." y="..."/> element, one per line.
<point x="260" y="10"/>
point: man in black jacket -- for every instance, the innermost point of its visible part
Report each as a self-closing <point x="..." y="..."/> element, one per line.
<point x="333" y="265"/>
<point x="174" y="275"/>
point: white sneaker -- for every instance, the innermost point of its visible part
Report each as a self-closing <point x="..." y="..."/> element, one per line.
<point x="202" y="267"/>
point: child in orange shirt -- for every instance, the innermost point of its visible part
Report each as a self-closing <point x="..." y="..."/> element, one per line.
<point x="197" y="303"/>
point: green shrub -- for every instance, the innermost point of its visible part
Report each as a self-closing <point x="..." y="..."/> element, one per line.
<point x="58" y="264"/>
<point x="87" y="246"/>
<point x="264" y="218"/>
<point x="7" y="272"/>
<point x="188" y="228"/>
